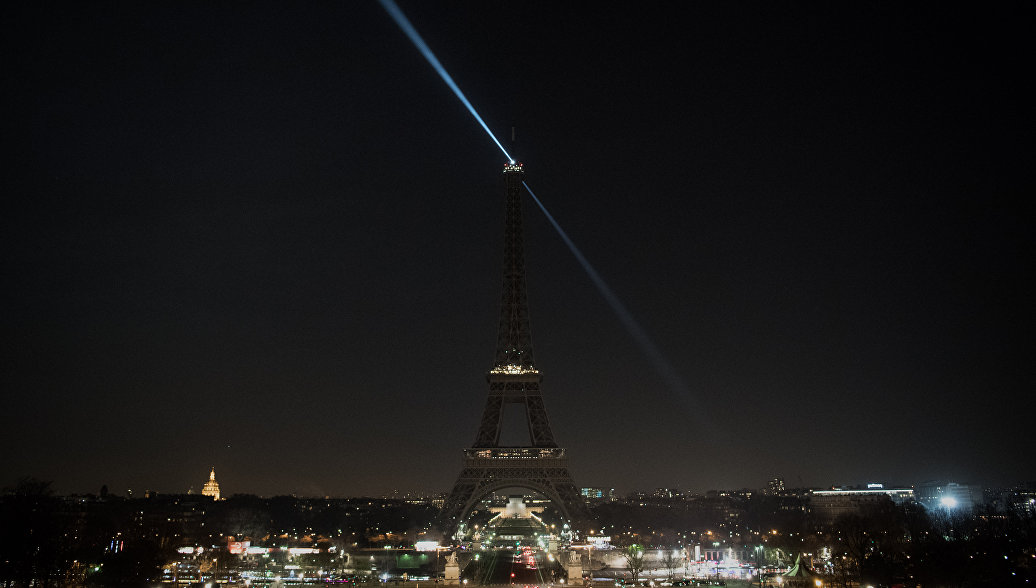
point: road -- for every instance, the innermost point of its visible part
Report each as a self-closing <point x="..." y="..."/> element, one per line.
<point x="522" y="567"/>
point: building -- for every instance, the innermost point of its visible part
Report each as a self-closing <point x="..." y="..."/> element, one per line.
<point x="775" y="487"/>
<point x="598" y="494"/>
<point x="1020" y="500"/>
<point x="830" y="504"/>
<point x="211" y="487"/>
<point x="938" y="495"/>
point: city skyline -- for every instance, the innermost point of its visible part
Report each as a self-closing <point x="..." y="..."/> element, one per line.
<point x="210" y="488"/>
<point x="921" y="492"/>
<point x="268" y="241"/>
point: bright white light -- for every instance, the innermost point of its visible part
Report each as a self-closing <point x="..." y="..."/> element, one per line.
<point x="948" y="502"/>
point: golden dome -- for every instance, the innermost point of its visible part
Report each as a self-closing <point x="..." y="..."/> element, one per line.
<point x="211" y="487"/>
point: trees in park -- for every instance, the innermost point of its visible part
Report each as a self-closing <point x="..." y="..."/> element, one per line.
<point x="634" y="557"/>
<point x="670" y="561"/>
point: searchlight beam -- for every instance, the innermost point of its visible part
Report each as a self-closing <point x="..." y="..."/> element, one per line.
<point x="404" y="24"/>
<point x="664" y="368"/>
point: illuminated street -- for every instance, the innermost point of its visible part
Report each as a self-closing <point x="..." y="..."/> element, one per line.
<point x="524" y="566"/>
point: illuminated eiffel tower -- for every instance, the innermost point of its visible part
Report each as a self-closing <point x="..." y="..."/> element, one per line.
<point x="541" y="465"/>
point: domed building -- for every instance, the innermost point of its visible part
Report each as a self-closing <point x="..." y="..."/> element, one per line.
<point x="211" y="487"/>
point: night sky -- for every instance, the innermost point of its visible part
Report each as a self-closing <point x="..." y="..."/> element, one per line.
<point x="268" y="238"/>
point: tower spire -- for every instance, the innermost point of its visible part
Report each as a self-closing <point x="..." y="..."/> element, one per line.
<point x="514" y="378"/>
<point x="514" y="338"/>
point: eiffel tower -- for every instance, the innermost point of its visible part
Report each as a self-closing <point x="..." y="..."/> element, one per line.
<point x="541" y="465"/>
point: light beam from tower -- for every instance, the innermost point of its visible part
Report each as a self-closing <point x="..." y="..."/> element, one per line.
<point x="658" y="360"/>
<point x="404" y="24"/>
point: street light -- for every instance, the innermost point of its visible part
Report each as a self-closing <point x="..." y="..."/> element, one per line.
<point x="758" y="563"/>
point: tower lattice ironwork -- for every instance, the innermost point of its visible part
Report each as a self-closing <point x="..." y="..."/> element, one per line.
<point x="541" y="465"/>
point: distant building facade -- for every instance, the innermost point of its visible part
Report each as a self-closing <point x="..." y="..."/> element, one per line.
<point x="831" y="504"/>
<point x="939" y="495"/>
<point x="1020" y="500"/>
<point x="597" y="494"/>
<point x="775" y="487"/>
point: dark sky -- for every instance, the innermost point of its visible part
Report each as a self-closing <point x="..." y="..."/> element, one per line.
<point x="267" y="238"/>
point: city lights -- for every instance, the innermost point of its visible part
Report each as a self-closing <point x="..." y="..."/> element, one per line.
<point x="232" y="274"/>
